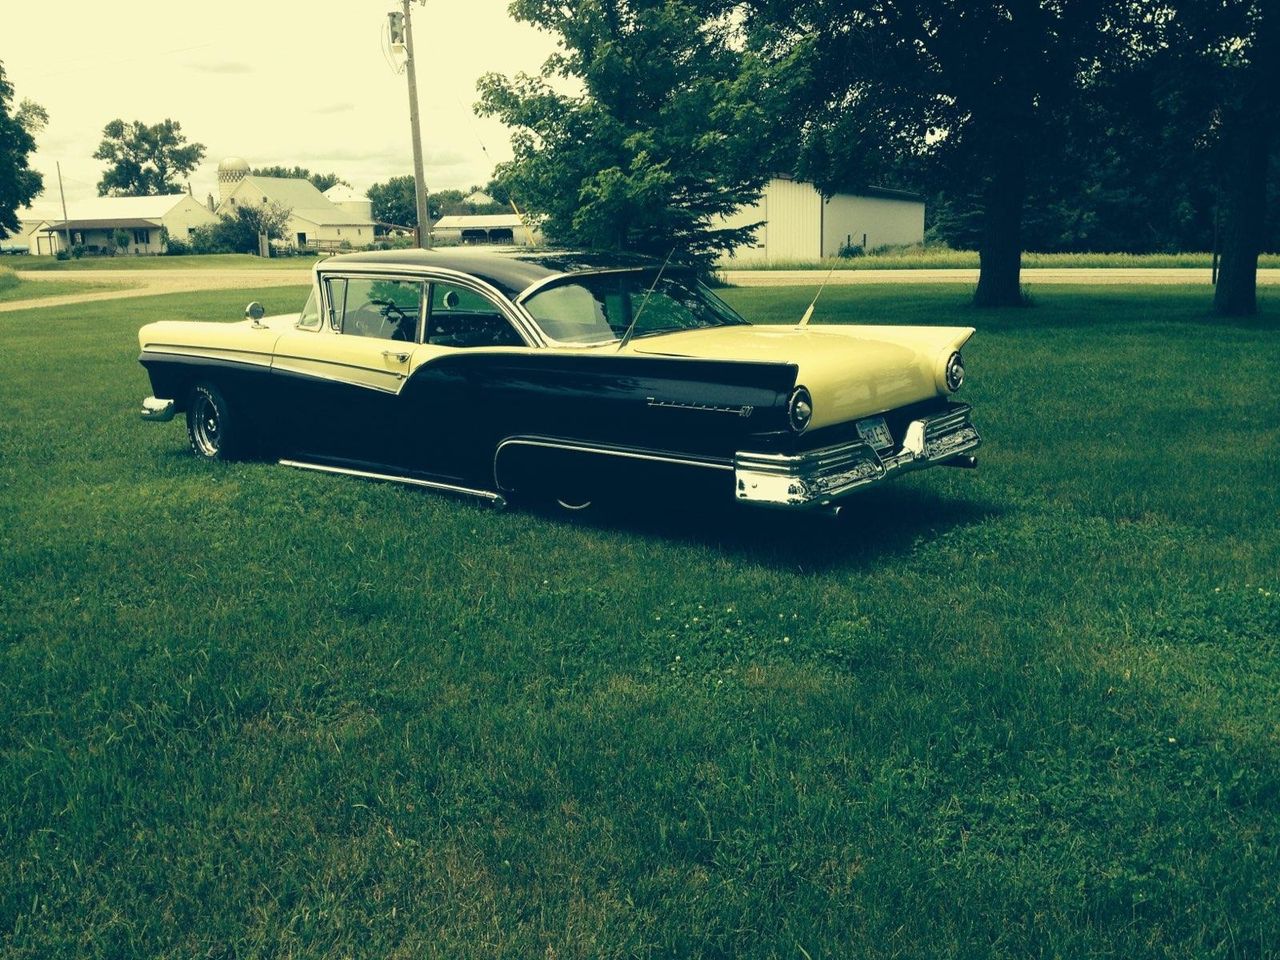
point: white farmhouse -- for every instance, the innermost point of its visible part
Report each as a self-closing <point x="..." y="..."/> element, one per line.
<point x="800" y="224"/>
<point x="315" y="222"/>
<point x="93" y="224"/>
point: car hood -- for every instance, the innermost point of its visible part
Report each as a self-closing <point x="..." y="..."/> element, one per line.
<point x="851" y="371"/>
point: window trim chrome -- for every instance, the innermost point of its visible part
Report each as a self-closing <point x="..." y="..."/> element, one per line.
<point x="518" y="317"/>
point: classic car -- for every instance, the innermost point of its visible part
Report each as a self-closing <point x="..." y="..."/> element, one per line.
<point x="564" y="375"/>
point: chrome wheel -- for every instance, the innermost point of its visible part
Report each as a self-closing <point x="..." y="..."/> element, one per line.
<point x="212" y="432"/>
<point x="206" y="427"/>
<point x="574" y="504"/>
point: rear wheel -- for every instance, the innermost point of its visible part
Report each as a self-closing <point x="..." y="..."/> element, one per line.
<point x="213" y="427"/>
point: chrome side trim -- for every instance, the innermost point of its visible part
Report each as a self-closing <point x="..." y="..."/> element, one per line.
<point x="815" y="478"/>
<point x="574" y="446"/>
<point x="496" y="499"/>
<point x="157" y="410"/>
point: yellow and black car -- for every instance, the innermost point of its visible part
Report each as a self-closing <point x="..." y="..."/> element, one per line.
<point x="561" y="374"/>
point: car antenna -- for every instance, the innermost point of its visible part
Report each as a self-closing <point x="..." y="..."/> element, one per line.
<point x="808" y="314"/>
<point x="626" y="337"/>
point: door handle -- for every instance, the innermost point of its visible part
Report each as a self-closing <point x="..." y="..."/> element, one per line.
<point x="398" y="355"/>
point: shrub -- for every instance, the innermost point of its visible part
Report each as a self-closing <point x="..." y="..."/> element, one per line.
<point x="77" y="250"/>
<point x="206" y="240"/>
<point x="62" y="255"/>
<point x="848" y="251"/>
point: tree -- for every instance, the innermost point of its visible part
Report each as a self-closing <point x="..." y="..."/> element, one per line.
<point x="19" y="184"/>
<point x="499" y="191"/>
<point x="977" y="90"/>
<point x="145" y="160"/>
<point x="1241" y="41"/>
<point x="237" y="231"/>
<point x="322" y="181"/>
<point x="119" y="241"/>
<point x="668" y="134"/>
<point x="395" y="202"/>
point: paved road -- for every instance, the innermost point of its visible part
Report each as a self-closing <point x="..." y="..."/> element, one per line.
<point x="145" y="283"/>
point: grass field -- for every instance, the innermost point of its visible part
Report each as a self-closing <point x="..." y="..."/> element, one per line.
<point x="212" y="261"/>
<point x="937" y="258"/>
<point x="13" y="287"/>
<point x="1031" y="710"/>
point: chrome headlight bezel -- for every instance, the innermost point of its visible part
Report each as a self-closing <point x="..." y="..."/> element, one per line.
<point x="799" y="410"/>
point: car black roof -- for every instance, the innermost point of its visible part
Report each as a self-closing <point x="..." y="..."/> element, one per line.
<point x="511" y="270"/>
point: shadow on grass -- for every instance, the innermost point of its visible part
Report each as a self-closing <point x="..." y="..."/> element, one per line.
<point x="872" y="526"/>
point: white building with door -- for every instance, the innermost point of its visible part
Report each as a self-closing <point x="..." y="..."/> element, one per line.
<point x="93" y="224"/>
<point x="315" y="221"/>
<point x="798" y="223"/>
<point x="494" y="228"/>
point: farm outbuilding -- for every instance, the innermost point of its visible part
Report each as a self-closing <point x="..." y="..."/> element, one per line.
<point x="484" y="228"/>
<point x="798" y="223"/>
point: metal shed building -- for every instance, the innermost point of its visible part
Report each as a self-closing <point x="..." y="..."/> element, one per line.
<point x="800" y="224"/>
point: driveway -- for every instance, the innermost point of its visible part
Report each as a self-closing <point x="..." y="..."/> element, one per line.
<point x="146" y="283"/>
<point x="1092" y="276"/>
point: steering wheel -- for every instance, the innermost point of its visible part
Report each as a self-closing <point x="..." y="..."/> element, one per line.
<point x="391" y="316"/>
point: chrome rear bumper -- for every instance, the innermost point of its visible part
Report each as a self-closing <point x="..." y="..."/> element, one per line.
<point x="156" y="409"/>
<point x="816" y="478"/>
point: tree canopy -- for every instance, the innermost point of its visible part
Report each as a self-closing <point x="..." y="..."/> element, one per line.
<point x="975" y="95"/>
<point x="322" y="181"/>
<point x="394" y="202"/>
<point x="145" y="160"/>
<point x="19" y="184"/>
<point x="668" y="133"/>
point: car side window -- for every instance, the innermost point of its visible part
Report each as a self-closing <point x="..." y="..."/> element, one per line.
<point x="309" y="318"/>
<point x="460" y="317"/>
<point x="385" y="309"/>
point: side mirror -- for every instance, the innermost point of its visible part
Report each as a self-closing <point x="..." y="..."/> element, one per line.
<point x="254" y="311"/>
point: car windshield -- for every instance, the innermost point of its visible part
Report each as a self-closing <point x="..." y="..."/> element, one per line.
<point x="598" y="308"/>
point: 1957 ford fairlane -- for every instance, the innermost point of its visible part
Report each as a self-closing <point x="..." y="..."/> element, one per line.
<point x="560" y="374"/>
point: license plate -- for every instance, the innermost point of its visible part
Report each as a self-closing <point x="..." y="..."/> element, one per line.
<point x="875" y="432"/>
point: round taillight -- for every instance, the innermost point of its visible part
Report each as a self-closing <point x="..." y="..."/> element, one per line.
<point x="800" y="410"/>
<point x="955" y="371"/>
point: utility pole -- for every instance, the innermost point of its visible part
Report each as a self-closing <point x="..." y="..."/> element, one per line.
<point x="66" y="231"/>
<point x="419" y="178"/>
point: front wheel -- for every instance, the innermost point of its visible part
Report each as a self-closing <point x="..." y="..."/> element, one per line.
<point x="214" y="430"/>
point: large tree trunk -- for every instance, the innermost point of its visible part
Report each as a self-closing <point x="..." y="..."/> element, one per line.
<point x="1246" y="146"/>
<point x="1000" y="256"/>
<point x="1243" y="221"/>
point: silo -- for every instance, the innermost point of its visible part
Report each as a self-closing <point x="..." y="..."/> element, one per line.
<point x="230" y="172"/>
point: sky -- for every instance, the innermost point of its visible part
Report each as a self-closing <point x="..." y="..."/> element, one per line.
<point x="289" y="82"/>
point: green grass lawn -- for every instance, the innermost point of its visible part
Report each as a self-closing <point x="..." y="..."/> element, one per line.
<point x="212" y="261"/>
<point x="934" y="258"/>
<point x="1031" y="710"/>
